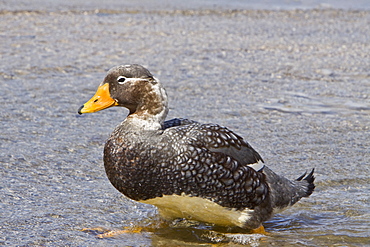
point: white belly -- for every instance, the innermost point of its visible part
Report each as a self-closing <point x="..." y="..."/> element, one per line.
<point x="195" y="208"/>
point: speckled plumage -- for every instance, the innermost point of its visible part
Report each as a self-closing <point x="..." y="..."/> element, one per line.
<point x="178" y="160"/>
<point x="147" y="158"/>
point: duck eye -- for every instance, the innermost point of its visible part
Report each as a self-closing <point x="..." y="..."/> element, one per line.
<point x="121" y="79"/>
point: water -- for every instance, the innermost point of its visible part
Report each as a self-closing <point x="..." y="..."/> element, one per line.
<point x="189" y="4"/>
<point x="294" y="83"/>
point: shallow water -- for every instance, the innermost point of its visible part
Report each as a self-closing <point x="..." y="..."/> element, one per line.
<point x="294" y="83"/>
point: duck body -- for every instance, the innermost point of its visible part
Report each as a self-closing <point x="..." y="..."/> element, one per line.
<point x="190" y="170"/>
<point x="173" y="168"/>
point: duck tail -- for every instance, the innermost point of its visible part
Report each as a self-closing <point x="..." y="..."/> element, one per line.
<point x="310" y="178"/>
<point x="284" y="192"/>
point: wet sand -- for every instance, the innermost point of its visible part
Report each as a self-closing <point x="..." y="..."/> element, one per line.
<point x="294" y="83"/>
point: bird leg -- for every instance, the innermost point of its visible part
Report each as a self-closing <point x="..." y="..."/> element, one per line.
<point x="259" y="230"/>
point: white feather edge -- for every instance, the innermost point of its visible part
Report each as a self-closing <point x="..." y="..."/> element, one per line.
<point x="257" y="166"/>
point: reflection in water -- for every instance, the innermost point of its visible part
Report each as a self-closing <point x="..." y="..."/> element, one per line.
<point x="182" y="233"/>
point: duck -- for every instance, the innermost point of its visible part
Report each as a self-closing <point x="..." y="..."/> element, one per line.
<point x="188" y="170"/>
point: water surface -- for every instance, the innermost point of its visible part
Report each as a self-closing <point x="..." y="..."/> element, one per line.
<point x="294" y="83"/>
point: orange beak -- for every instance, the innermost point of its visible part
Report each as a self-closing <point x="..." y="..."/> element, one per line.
<point x="100" y="101"/>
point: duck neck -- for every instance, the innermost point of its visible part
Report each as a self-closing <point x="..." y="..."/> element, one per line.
<point x="152" y="110"/>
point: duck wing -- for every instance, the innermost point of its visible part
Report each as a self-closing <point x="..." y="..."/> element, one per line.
<point x="218" y="161"/>
<point x="220" y="139"/>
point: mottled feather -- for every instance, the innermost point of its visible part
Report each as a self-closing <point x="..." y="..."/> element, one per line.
<point x="201" y="166"/>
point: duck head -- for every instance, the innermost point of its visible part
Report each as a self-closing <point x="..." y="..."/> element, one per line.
<point x="130" y="86"/>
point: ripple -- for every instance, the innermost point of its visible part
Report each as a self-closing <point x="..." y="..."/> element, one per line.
<point x="298" y="103"/>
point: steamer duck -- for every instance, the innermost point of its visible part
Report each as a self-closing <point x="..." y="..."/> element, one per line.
<point x="202" y="172"/>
